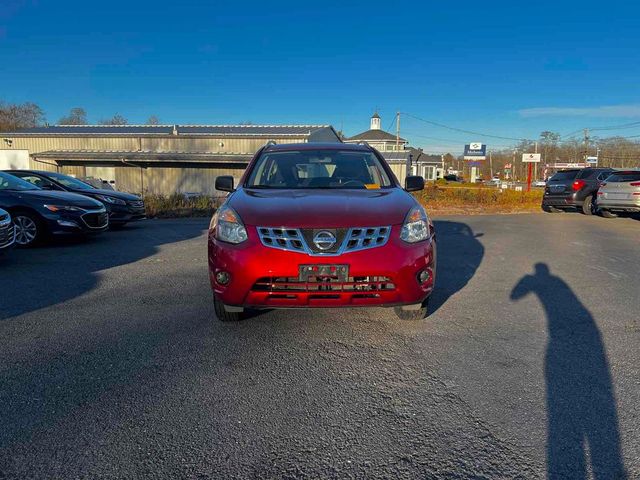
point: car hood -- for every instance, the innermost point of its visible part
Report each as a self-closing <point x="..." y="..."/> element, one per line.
<point x="319" y="208"/>
<point x="60" y="198"/>
<point x="111" y="193"/>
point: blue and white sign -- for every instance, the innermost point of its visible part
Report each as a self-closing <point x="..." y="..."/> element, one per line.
<point x="592" y="160"/>
<point x="475" y="151"/>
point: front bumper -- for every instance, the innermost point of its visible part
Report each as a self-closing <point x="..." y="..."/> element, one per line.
<point x="260" y="275"/>
<point x="7" y="235"/>
<point x="120" y="214"/>
<point x="70" y="223"/>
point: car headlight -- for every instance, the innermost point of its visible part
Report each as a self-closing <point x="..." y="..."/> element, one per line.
<point x="227" y="226"/>
<point x="111" y="200"/>
<point x="416" y="226"/>
<point x="63" y="208"/>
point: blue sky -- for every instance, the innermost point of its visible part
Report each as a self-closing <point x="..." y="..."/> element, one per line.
<point x="509" y="69"/>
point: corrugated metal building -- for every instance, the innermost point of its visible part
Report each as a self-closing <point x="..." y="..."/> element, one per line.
<point x="159" y="159"/>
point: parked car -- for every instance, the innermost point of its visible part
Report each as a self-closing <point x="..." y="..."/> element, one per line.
<point x="574" y="189"/>
<point x="38" y="213"/>
<point x="320" y="225"/>
<point x="453" y="178"/>
<point x="7" y="232"/>
<point x="121" y="207"/>
<point x="620" y="192"/>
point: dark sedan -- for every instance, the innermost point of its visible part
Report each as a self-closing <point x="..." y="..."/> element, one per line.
<point x="121" y="207"/>
<point x="38" y="213"/>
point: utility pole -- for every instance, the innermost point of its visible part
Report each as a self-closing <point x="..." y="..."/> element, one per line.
<point x="491" y="163"/>
<point x="586" y="144"/>
<point x="535" y="165"/>
<point x="397" y="131"/>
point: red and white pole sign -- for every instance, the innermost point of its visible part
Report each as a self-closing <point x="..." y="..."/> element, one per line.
<point x="530" y="158"/>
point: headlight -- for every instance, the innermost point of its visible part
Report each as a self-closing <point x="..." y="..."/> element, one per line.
<point x="63" y="208"/>
<point x="416" y="226"/>
<point x="228" y="226"/>
<point x="111" y="200"/>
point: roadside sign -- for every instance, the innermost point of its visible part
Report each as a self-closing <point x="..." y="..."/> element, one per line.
<point x="475" y="151"/>
<point x="592" y="160"/>
<point x="531" y="157"/>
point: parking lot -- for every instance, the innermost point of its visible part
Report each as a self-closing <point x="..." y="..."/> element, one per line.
<point x="112" y="364"/>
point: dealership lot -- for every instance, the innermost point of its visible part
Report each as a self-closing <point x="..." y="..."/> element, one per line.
<point x="112" y="365"/>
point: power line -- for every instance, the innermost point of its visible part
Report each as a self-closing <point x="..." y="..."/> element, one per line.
<point x="456" y="142"/>
<point x="460" y="129"/>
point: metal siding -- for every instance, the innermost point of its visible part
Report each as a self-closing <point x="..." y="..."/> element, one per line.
<point x="166" y="181"/>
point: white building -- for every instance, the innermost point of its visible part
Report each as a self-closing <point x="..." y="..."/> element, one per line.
<point x="398" y="153"/>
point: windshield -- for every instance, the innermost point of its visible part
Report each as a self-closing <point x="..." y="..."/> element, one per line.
<point x="9" y="182"/>
<point x="69" y="182"/>
<point x="319" y="169"/>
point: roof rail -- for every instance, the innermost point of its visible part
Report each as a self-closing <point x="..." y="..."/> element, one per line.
<point x="269" y="143"/>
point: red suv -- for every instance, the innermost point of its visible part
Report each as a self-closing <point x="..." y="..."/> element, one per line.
<point x="320" y="225"/>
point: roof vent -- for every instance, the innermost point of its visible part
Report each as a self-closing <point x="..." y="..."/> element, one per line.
<point x="175" y="130"/>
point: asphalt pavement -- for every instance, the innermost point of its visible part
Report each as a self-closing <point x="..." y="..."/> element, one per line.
<point x="112" y="364"/>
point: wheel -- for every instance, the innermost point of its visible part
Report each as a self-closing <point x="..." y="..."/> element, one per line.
<point x="29" y="229"/>
<point x="413" y="312"/>
<point x="589" y="206"/>
<point x="608" y="214"/>
<point x="223" y="315"/>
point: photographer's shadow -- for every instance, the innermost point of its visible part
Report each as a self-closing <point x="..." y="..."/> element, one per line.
<point x="581" y="405"/>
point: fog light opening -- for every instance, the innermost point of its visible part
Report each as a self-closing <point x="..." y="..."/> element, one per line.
<point x="223" y="277"/>
<point x="424" y="276"/>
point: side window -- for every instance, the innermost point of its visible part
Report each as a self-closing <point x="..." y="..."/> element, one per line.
<point x="603" y="175"/>
<point x="38" y="181"/>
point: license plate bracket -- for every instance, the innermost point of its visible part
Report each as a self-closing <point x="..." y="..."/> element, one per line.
<point x="320" y="272"/>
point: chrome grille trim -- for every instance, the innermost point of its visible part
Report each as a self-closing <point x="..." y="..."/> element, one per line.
<point x="364" y="238"/>
<point x="282" y="238"/>
<point x="292" y="239"/>
<point x="7" y="234"/>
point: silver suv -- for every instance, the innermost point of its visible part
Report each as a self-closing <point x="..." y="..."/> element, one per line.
<point x="620" y="192"/>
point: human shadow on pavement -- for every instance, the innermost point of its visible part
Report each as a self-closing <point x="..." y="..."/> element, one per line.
<point x="459" y="254"/>
<point x="581" y="405"/>
<point x="62" y="270"/>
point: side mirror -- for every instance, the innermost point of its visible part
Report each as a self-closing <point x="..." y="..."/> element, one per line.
<point x="224" y="183"/>
<point x="413" y="183"/>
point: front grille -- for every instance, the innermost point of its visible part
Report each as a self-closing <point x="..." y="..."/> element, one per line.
<point x="7" y="234"/>
<point x="282" y="238"/>
<point x="96" y="220"/>
<point x="324" y="284"/>
<point x="136" y="204"/>
<point x="302" y="240"/>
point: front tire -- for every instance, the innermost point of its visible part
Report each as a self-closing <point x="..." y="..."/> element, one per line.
<point x="223" y="315"/>
<point x="608" y="214"/>
<point x="29" y="229"/>
<point x="413" y="314"/>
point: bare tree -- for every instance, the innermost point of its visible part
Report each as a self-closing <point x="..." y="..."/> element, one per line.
<point x="77" y="116"/>
<point x="153" y="120"/>
<point x="18" y="116"/>
<point x="117" y="119"/>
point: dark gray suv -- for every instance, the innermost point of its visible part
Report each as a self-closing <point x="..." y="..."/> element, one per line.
<point x="574" y="189"/>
